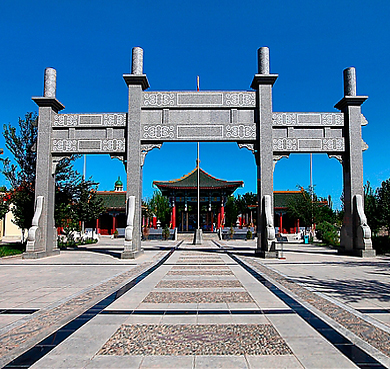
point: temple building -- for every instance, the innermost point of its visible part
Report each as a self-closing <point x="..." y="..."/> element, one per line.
<point x="182" y="194"/>
<point x="183" y="197"/>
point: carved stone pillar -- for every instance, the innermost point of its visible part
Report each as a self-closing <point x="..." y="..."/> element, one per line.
<point x="263" y="83"/>
<point x="355" y="237"/>
<point x="136" y="82"/>
<point x="42" y="236"/>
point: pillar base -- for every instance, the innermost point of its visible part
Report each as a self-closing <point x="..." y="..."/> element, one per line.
<point x="267" y="254"/>
<point x="131" y="254"/>
<point x="371" y="253"/>
<point x="39" y="254"/>
<point x="198" y="237"/>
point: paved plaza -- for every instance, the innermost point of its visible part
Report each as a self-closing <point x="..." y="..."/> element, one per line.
<point x="213" y="305"/>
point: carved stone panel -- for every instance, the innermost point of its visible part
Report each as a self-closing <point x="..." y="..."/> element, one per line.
<point x="89" y="120"/>
<point x="199" y="99"/>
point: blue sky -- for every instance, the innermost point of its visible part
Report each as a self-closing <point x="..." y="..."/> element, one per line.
<point x="311" y="42"/>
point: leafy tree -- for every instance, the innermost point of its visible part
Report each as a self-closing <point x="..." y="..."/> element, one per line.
<point x="71" y="191"/>
<point x="383" y="194"/>
<point x="20" y="142"/>
<point x="328" y="233"/>
<point x="371" y="208"/>
<point x="87" y="206"/>
<point x="4" y="202"/>
<point x="309" y="208"/>
<point x="231" y="211"/>
<point x="159" y="206"/>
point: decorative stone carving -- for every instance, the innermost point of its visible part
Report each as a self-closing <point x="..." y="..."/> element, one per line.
<point x="73" y="120"/>
<point x="114" y="145"/>
<point x="34" y="229"/>
<point x="364" y="120"/>
<point x="240" y="99"/>
<point x="269" y="219"/>
<point x="145" y="149"/>
<point x="130" y="220"/>
<point x="301" y="119"/>
<point x="333" y="144"/>
<point x="159" y="99"/>
<point x="364" y="146"/>
<point x="281" y="144"/>
<point x="241" y="131"/>
<point x="339" y="158"/>
<point x="363" y="232"/>
<point x="250" y="147"/>
<point x="276" y="158"/>
<point x="158" y="131"/>
<point x="64" y="145"/>
<point x="114" y="119"/>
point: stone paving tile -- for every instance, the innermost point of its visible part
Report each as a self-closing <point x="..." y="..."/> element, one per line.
<point x="199" y="297"/>
<point x="165" y="362"/>
<point x="115" y="362"/>
<point x="225" y="361"/>
<point x="214" y="339"/>
<point x="273" y="362"/>
<point x="47" y="320"/>
<point x="199" y="284"/>
<point x="200" y="272"/>
<point x="377" y="337"/>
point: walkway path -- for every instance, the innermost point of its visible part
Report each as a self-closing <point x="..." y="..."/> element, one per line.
<point x="195" y="307"/>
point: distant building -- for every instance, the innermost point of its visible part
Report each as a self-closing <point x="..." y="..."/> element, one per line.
<point x="182" y="194"/>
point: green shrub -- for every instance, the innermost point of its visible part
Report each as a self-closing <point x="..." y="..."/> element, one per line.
<point x="165" y="233"/>
<point x="328" y="233"/>
<point x="381" y="244"/>
<point x="8" y="250"/>
<point x="249" y="235"/>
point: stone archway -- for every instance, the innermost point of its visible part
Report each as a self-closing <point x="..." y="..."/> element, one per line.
<point x="245" y="117"/>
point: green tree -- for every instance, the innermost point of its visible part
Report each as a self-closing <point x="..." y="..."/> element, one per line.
<point x="20" y="142"/>
<point x="310" y="209"/>
<point x="383" y="194"/>
<point x="159" y="206"/>
<point x="371" y="208"/>
<point x="87" y="206"/>
<point x="4" y="202"/>
<point x="20" y="173"/>
<point x="231" y="211"/>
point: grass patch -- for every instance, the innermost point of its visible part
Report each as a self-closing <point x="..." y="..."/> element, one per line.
<point x="11" y="249"/>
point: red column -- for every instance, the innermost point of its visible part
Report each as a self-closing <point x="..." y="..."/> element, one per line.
<point x="154" y="222"/>
<point x="222" y="215"/>
<point x="97" y="226"/>
<point x="280" y="222"/>
<point x="219" y="220"/>
<point x="298" y="224"/>
<point x="113" y="224"/>
<point x="174" y="217"/>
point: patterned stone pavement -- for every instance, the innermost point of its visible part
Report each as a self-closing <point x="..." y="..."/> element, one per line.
<point x="191" y="339"/>
<point x="199" y="309"/>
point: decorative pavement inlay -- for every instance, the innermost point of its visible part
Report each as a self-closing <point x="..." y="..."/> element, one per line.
<point x="199" y="284"/>
<point x="200" y="297"/>
<point x="375" y="336"/>
<point x="200" y="272"/>
<point x="49" y="320"/>
<point x="214" y="339"/>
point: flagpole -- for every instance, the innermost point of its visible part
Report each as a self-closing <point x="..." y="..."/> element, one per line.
<point x="198" y="189"/>
<point x="197" y="162"/>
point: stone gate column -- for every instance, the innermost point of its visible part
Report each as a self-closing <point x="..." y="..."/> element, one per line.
<point x="355" y="237"/>
<point x="262" y="83"/>
<point x="136" y="82"/>
<point x="42" y="236"/>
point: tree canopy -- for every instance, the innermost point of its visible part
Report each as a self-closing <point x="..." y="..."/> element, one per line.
<point x="75" y="198"/>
